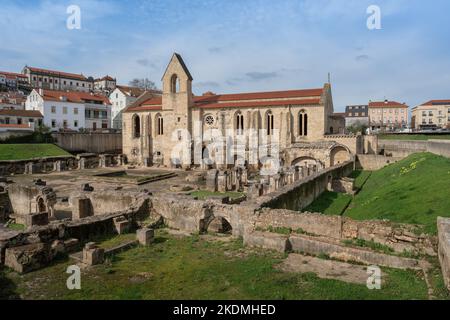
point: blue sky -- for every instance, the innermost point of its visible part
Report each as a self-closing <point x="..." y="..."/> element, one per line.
<point x="242" y="45"/>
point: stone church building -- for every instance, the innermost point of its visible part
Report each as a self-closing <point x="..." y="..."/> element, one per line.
<point x="301" y="122"/>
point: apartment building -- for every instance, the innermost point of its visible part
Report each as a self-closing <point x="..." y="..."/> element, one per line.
<point x="106" y="83"/>
<point x="57" y="80"/>
<point x="433" y="114"/>
<point x="388" y="115"/>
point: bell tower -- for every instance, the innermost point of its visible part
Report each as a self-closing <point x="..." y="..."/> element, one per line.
<point x="177" y="92"/>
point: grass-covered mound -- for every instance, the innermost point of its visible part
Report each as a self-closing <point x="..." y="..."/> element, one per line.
<point x="330" y="203"/>
<point x="30" y="151"/>
<point x="414" y="190"/>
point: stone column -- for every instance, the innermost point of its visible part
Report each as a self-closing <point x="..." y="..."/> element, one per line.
<point x="211" y="180"/>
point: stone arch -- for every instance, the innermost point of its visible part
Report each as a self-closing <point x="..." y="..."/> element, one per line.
<point x="305" y="161"/>
<point x="41" y="207"/>
<point x="339" y="154"/>
<point x="136" y="126"/>
<point x="219" y="225"/>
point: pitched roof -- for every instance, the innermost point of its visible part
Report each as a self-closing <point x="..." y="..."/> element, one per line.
<point x="13" y="74"/>
<point x="21" y="113"/>
<point x="106" y="78"/>
<point x="242" y="100"/>
<point x="72" y="96"/>
<point x="386" y="104"/>
<point x="183" y="65"/>
<point x="12" y="125"/>
<point x="58" y="73"/>
<point x="436" y="103"/>
<point x="131" y="91"/>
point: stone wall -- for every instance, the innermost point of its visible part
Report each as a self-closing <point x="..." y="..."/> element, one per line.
<point x="440" y="147"/>
<point x="302" y="193"/>
<point x="374" y="162"/>
<point x="399" y="237"/>
<point x="90" y="142"/>
<point x="402" y="148"/>
<point x="443" y="225"/>
<point x="44" y="164"/>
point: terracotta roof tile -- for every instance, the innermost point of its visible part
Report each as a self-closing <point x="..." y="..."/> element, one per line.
<point x="73" y="96"/>
<point x="59" y="73"/>
<point x="21" y="113"/>
<point x="436" y="102"/>
<point x="386" y="104"/>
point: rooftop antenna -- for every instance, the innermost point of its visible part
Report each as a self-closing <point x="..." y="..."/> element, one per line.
<point x="329" y="78"/>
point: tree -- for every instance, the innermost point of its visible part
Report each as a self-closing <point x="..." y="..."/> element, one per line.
<point x="145" y="84"/>
<point x="357" y="127"/>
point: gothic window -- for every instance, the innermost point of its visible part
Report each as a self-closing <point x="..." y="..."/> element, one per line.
<point x="302" y="123"/>
<point x="136" y="126"/>
<point x="174" y="84"/>
<point x="269" y="122"/>
<point x="159" y="125"/>
<point x="240" y="123"/>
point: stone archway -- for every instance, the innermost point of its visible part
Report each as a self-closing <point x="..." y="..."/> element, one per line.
<point x="219" y="225"/>
<point x="41" y="207"/>
<point x="305" y="161"/>
<point x="339" y="154"/>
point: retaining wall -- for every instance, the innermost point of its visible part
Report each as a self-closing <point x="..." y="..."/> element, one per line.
<point x="443" y="225"/>
<point x="90" y="142"/>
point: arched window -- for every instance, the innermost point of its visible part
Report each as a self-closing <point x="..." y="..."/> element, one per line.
<point x="239" y="123"/>
<point x="159" y="125"/>
<point x="302" y="123"/>
<point x="174" y="84"/>
<point x="136" y="126"/>
<point x="269" y="123"/>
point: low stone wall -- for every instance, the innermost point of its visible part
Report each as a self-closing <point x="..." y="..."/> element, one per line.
<point x="443" y="225"/>
<point x="440" y="147"/>
<point x="374" y="162"/>
<point x="39" y="245"/>
<point x="302" y="193"/>
<point x="45" y="164"/>
<point x="399" y="237"/>
<point x="90" y="142"/>
<point x="403" y="148"/>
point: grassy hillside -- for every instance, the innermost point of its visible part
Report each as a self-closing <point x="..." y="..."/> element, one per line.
<point x="414" y="190"/>
<point x="29" y="151"/>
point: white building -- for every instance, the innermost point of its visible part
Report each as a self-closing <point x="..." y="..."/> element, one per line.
<point x="122" y="97"/>
<point x="106" y="83"/>
<point x="57" y="80"/>
<point x="71" y="110"/>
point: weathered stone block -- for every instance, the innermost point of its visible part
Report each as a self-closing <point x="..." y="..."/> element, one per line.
<point x="93" y="255"/>
<point x="36" y="219"/>
<point x="443" y="225"/>
<point x="27" y="258"/>
<point x="122" y="225"/>
<point x="81" y="207"/>
<point x="267" y="240"/>
<point x="145" y="236"/>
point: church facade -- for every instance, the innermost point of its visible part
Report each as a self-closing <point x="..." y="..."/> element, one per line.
<point x="180" y="129"/>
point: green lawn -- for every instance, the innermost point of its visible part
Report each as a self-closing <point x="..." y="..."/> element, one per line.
<point x="29" y="151"/>
<point x="360" y="177"/>
<point x="414" y="190"/>
<point x="194" y="268"/>
<point x="204" y="194"/>
<point x="413" y="137"/>
<point x="331" y="203"/>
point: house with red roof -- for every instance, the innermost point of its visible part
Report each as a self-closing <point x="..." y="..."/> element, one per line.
<point x="71" y="110"/>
